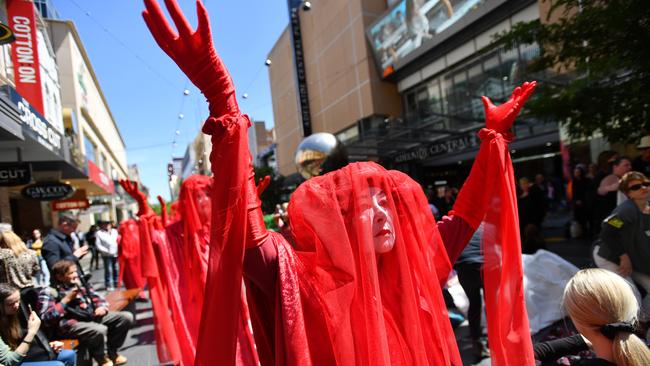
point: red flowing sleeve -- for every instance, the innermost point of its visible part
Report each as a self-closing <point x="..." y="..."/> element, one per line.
<point x="230" y="165"/>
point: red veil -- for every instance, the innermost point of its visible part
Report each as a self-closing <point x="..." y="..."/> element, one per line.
<point x="188" y="244"/>
<point x="194" y="199"/>
<point x="129" y="255"/>
<point x="361" y="308"/>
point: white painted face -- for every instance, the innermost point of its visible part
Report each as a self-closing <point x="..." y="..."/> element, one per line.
<point x="381" y="218"/>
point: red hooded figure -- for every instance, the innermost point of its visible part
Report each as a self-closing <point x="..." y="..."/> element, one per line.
<point x="362" y="285"/>
<point x="129" y="255"/>
<point x="177" y="266"/>
<point x="188" y="238"/>
<point x="173" y="342"/>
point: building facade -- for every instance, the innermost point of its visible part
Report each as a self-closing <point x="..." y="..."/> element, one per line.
<point x="94" y="129"/>
<point x="408" y="93"/>
<point x="60" y="148"/>
<point x="34" y="145"/>
<point x="340" y="76"/>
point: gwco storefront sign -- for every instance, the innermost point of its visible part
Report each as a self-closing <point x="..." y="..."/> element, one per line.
<point x="47" y="191"/>
<point x="24" y="51"/>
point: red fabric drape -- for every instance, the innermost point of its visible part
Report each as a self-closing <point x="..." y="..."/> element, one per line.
<point x="168" y="280"/>
<point x="221" y="324"/>
<point x="129" y="255"/>
<point x="361" y="308"/>
<point x="166" y="341"/>
<point x="507" y="320"/>
<point x="195" y="212"/>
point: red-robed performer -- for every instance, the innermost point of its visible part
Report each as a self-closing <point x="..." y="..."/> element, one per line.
<point x="129" y="255"/>
<point x="362" y="285"/>
<point x="188" y="238"/>
<point x="180" y="250"/>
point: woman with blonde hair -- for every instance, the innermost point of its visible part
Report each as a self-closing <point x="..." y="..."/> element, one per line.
<point x="18" y="264"/>
<point x="604" y="310"/>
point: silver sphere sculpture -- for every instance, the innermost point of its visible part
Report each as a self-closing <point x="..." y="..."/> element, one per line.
<point x="320" y="153"/>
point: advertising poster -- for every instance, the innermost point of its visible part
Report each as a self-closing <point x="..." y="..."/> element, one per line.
<point x="410" y="24"/>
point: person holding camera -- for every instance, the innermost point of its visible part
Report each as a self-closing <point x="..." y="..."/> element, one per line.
<point x="77" y="311"/>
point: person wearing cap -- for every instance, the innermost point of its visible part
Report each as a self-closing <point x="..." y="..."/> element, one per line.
<point x="59" y="245"/>
<point x="642" y="162"/>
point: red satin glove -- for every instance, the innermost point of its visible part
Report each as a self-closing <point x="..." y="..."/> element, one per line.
<point x="256" y="232"/>
<point x="194" y="53"/>
<point x="163" y="210"/>
<point x="500" y="118"/>
<point x="475" y="195"/>
<point x="132" y="189"/>
<point x="262" y="185"/>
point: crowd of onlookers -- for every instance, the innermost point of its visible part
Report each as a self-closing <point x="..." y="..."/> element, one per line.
<point x="608" y="201"/>
<point x="46" y="297"/>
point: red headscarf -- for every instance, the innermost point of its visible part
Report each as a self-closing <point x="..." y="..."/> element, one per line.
<point x="129" y="256"/>
<point x="167" y="343"/>
<point x="360" y="307"/>
<point x="195" y="214"/>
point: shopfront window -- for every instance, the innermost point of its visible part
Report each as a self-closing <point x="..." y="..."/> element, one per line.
<point x="103" y="163"/>
<point x="90" y="149"/>
<point x="453" y="100"/>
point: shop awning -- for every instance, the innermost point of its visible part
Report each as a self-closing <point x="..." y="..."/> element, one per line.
<point x="431" y="142"/>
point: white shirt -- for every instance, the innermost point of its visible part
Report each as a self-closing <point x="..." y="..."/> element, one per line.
<point x="107" y="242"/>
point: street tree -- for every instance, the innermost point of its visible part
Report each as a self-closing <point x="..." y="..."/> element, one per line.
<point x="594" y="66"/>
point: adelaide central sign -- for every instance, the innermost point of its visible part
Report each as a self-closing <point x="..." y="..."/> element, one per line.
<point x="47" y="191"/>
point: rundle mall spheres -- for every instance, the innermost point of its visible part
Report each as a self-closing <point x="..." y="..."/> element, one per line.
<point x="43" y="167"/>
<point x="407" y="93"/>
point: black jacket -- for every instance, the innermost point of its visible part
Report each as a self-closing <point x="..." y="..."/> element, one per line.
<point x="57" y="246"/>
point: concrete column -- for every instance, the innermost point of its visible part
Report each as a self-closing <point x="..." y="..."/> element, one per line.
<point x="5" y="206"/>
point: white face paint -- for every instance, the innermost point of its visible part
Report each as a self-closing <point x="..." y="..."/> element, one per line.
<point x="381" y="218"/>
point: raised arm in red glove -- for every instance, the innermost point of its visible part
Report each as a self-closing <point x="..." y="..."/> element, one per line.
<point x="474" y="197"/>
<point x="489" y="195"/>
<point x="194" y="53"/>
<point x="132" y="189"/>
<point x="163" y="211"/>
<point x="262" y="185"/>
<point x="236" y="217"/>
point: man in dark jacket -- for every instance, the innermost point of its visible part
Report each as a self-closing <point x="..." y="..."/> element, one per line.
<point x="58" y="244"/>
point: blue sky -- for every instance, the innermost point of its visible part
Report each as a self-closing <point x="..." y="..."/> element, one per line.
<point x="144" y="88"/>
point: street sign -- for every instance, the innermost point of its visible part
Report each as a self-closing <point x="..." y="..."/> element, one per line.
<point x="77" y="201"/>
<point x="15" y="174"/>
<point x="47" y="191"/>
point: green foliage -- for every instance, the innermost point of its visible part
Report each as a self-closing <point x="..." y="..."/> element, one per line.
<point x="272" y="195"/>
<point x="156" y="208"/>
<point x="605" y="45"/>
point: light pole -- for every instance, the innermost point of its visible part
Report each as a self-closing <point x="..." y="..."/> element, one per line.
<point x="299" y="61"/>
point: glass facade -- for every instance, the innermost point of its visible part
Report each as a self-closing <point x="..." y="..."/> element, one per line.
<point x="452" y="100"/>
<point x="90" y="149"/>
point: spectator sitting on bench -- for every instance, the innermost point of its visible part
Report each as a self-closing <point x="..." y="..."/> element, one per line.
<point x="79" y="312"/>
<point x="21" y="341"/>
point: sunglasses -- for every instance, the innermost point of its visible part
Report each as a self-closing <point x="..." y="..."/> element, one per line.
<point x="638" y="186"/>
